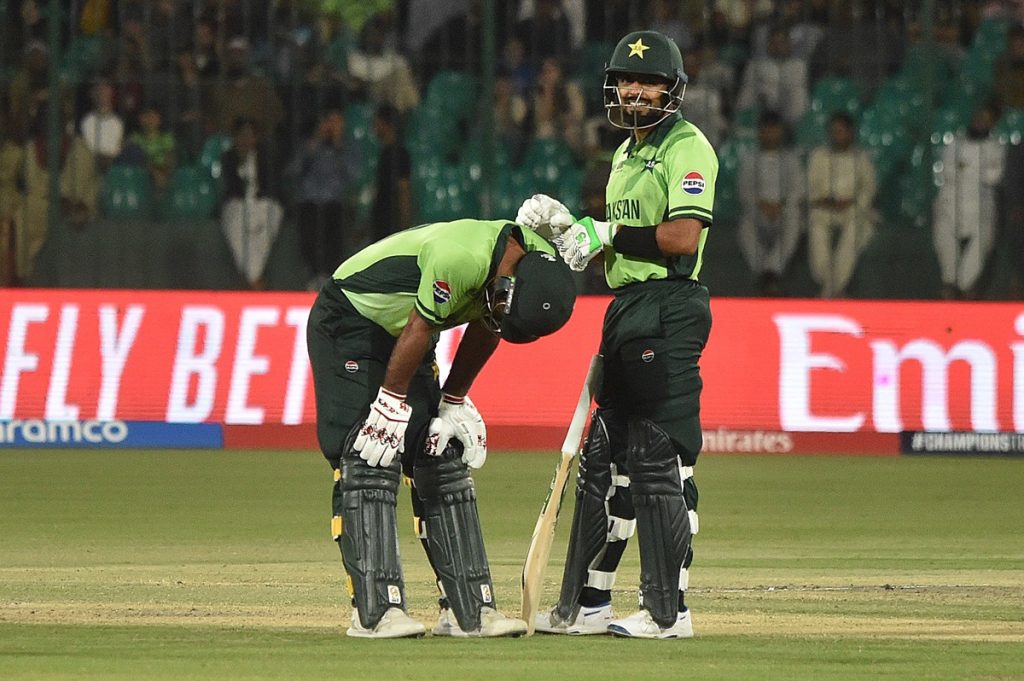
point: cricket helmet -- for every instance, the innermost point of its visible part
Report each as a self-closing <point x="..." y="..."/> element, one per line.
<point x="648" y="55"/>
<point x="535" y="301"/>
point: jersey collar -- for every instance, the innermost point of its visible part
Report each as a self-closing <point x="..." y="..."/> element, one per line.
<point x="657" y="136"/>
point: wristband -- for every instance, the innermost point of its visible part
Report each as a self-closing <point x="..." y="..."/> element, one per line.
<point x="641" y="242"/>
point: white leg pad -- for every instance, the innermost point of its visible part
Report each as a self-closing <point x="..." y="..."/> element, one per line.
<point x="620" y="529"/>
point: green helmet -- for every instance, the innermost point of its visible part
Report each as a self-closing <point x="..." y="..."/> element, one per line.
<point x="644" y="53"/>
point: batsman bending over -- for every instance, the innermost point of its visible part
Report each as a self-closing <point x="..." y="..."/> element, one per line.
<point x="636" y="469"/>
<point x="381" y="412"/>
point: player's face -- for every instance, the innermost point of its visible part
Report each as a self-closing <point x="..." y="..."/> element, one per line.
<point x="639" y="93"/>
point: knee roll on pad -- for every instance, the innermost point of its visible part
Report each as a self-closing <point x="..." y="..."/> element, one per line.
<point x="663" y="520"/>
<point x="453" y="536"/>
<point x="589" y="532"/>
<point x="365" y="498"/>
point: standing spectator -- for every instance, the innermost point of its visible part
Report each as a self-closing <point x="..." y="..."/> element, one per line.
<point x="102" y="128"/>
<point x="12" y="155"/>
<point x="244" y="94"/>
<point x="251" y="214"/>
<point x="546" y="33"/>
<point x="664" y="17"/>
<point x="777" y="81"/>
<point x="514" y="66"/>
<point x="392" y="201"/>
<point x="557" y="106"/>
<point x="204" y="50"/>
<point x="964" y="222"/>
<point x="510" y="118"/>
<point x="1009" y="70"/>
<point x="326" y="171"/>
<point x="79" y="190"/>
<point x="154" y="147"/>
<point x="771" y="190"/>
<point x="1013" y="212"/>
<point x="30" y="90"/>
<point x="841" y="183"/>
<point x="702" y="104"/>
<point x="454" y="45"/>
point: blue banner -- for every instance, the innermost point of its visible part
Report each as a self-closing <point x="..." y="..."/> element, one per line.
<point x="39" y="433"/>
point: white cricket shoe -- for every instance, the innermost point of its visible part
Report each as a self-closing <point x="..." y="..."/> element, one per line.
<point x="492" y="625"/>
<point x="641" y="625"/>
<point x="588" y="620"/>
<point x="394" y="623"/>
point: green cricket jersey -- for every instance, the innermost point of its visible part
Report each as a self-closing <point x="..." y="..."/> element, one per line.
<point x="670" y="175"/>
<point x="441" y="269"/>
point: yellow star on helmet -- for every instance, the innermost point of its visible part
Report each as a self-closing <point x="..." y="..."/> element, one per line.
<point x="637" y="49"/>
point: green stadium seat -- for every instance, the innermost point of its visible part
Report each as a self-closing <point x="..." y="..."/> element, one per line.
<point x="454" y="93"/>
<point x="191" y="195"/>
<point x="812" y="129"/>
<point x="448" y="195"/>
<point x="1010" y="128"/>
<point x="126" y="193"/>
<point x="511" y="187"/>
<point x="213" y="148"/>
<point x="836" y="94"/>
<point x="548" y="160"/>
<point x="947" y="122"/>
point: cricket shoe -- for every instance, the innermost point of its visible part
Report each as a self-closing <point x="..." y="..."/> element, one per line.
<point x="588" y="620"/>
<point x="641" y="625"/>
<point x="394" y="623"/>
<point x="492" y="625"/>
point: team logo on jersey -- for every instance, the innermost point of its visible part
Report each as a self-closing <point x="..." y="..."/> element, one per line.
<point x="647" y="355"/>
<point x="693" y="183"/>
<point x="442" y="292"/>
<point x="649" y="165"/>
<point x="547" y="256"/>
<point x="351" y="366"/>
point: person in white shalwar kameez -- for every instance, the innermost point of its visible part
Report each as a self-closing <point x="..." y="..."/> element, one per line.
<point x="771" y="190"/>
<point x="964" y="212"/>
<point x="841" y="186"/>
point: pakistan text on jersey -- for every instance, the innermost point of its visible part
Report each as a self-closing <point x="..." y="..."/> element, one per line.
<point x="623" y="209"/>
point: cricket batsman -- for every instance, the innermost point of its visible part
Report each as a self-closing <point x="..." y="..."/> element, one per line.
<point x="381" y="411"/>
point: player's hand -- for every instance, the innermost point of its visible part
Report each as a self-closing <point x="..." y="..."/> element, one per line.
<point x="382" y="436"/>
<point x="583" y="240"/>
<point x="457" y="417"/>
<point x="544" y="215"/>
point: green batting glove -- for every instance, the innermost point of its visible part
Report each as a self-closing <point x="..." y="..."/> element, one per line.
<point x="584" y="240"/>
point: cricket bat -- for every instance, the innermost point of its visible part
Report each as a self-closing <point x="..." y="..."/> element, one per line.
<point x="544" y="530"/>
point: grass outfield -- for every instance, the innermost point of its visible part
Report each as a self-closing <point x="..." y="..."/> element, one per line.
<point x="180" y="564"/>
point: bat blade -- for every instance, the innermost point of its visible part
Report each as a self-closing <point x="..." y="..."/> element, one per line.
<point x="544" y="531"/>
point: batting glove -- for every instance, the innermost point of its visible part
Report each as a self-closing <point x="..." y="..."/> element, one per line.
<point x="544" y="215"/>
<point x="457" y="417"/>
<point x="382" y="436"/>
<point x="583" y="240"/>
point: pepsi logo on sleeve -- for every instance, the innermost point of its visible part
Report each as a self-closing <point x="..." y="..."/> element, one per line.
<point x="442" y="292"/>
<point x="693" y="183"/>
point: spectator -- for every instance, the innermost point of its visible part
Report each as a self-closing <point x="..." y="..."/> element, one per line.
<point x="1013" y="212"/>
<point x="79" y="190"/>
<point x="382" y="74"/>
<point x="325" y="171"/>
<point x="521" y="74"/>
<point x="546" y="33"/>
<point x="244" y="94"/>
<point x="510" y="119"/>
<point x="771" y="190"/>
<point x="30" y="90"/>
<point x="841" y="182"/>
<point x="702" y="103"/>
<point x="154" y="147"/>
<point x="859" y="44"/>
<point x="251" y="214"/>
<point x="185" y="106"/>
<point x="1009" y="71"/>
<point x="392" y="201"/>
<point x="102" y="128"/>
<point x="12" y="155"/>
<point x="777" y="81"/>
<point x="557" y="106"/>
<point x="204" y="50"/>
<point x="454" y="45"/>
<point x="664" y="17"/>
<point x="964" y="222"/>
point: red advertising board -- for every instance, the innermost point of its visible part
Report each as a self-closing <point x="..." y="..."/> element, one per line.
<point x="771" y="365"/>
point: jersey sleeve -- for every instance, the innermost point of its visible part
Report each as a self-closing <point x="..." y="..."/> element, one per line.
<point x="692" y="169"/>
<point x="450" y="274"/>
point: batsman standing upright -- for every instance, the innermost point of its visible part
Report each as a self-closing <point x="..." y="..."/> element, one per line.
<point x="636" y="468"/>
<point x="381" y="411"/>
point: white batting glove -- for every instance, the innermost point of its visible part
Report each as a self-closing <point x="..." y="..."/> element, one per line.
<point x="544" y="215"/>
<point x="458" y="417"/>
<point x="382" y="436"/>
<point x="583" y="240"/>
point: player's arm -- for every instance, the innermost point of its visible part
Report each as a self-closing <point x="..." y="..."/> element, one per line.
<point x="475" y="348"/>
<point x="410" y="349"/>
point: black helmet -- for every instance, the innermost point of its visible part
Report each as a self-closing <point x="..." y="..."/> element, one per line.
<point x="644" y="53"/>
<point x="535" y="301"/>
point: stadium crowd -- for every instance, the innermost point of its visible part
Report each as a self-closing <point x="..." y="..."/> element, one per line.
<point x="857" y="138"/>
